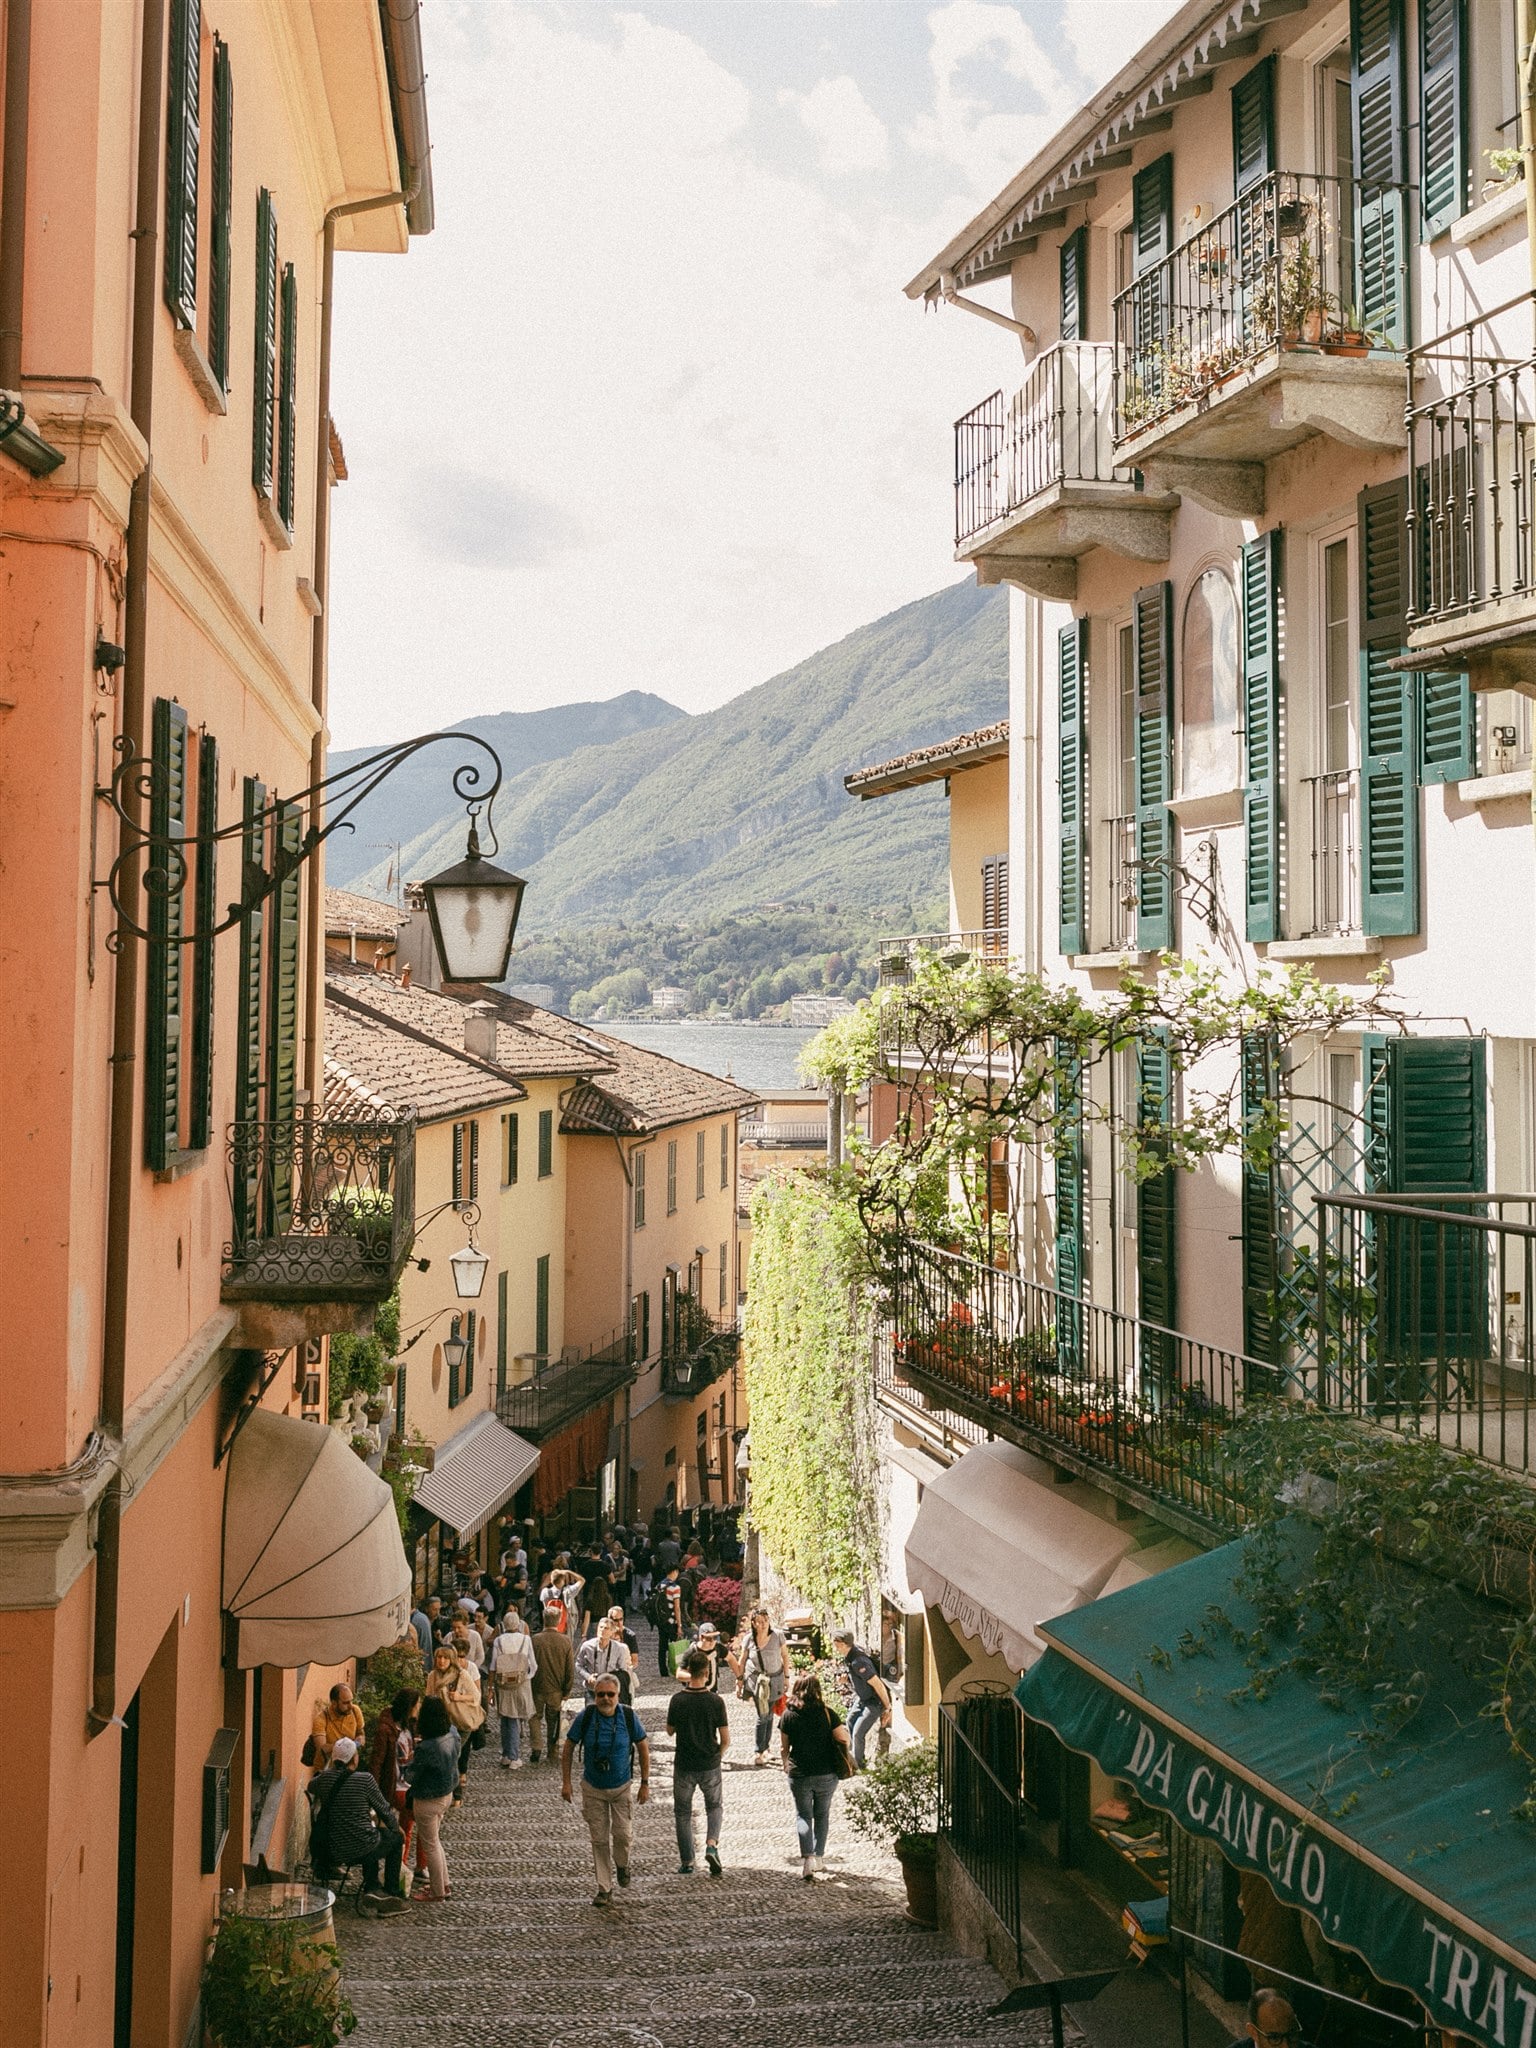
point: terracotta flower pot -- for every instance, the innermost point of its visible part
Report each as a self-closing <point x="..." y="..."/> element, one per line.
<point x="920" y="1874"/>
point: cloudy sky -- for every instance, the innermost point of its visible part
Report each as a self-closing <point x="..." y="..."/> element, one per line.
<point x="649" y="410"/>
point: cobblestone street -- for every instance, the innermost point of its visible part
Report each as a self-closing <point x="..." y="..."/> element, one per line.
<point x="519" y="1957"/>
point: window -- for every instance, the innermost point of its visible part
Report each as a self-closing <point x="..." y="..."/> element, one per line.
<point x="994" y="903"/>
<point x="183" y="138"/>
<point x="471" y="1334"/>
<point x="541" y="1306"/>
<point x="400" y="1398"/>
<point x="725" y="1275"/>
<point x="698" y="1167"/>
<point x="466" y="1162"/>
<point x="197" y="201"/>
<point x="725" y="1155"/>
<point x="1338" y="659"/>
<point x="509" y="1150"/>
<point x="637" y="1164"/>
<point x="274" y="390"/>
<point x="501" y="1333"/>
<point x="546" y="1143"/>
<point x="1208" y="676"/>
<point x="672" y="1176"/>
<point x="640" y="1321"/>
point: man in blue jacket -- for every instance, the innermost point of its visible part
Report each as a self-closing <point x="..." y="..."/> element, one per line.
<point x="611" y="1740"/>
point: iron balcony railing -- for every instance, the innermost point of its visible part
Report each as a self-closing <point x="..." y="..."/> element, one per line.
<point x="1118" y="1398"/>
<point x="1283" y="267"/>
<point x="898" y="957"/>
<point x="1472" y="429"/>
<point x="1120" y="869"/>
<point x="321" y="1210"/>
<point x="982" y="1812"/>
<point x="1418" y="1317"/>
<point x="1333" y="814"/>
<point x="1056" y="429"/>
<point x="955" y="1432"/>
<point x="697" y="1350"/>
<point x="559" y="1394"/>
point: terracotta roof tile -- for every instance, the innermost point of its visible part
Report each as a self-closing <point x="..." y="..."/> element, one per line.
<point x="407" y="1068"/>
<point x="521" y="1049"/>
<point x="931" y="764"/>
<point x="346" y="911"/>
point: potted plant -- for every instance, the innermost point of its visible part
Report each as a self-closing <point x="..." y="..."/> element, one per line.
<point x="269" y="1984"/>
<point x="896" y="1802"/>
<point x="1504" y="167"/>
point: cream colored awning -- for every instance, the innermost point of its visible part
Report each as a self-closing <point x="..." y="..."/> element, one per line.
<point x="314" y="1569"/>
<point x="478" y="1473"/>
<point x="998" y="1545"/>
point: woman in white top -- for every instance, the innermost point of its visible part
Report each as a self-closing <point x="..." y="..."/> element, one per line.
<point x="511" y="1668"/>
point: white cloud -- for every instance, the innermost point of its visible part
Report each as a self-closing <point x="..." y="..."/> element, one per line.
<point x="681" y="426"/>
<point x="968" y="40"/>
<point x="850" y="136"/>
<point x="1104" y="34"/>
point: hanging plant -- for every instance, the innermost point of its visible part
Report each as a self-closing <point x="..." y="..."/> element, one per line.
<point x="807" y="1358"/>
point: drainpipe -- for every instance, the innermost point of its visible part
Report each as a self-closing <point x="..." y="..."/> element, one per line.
<point x="314" y="1035"/>
<point x="13" y="200"/>
<point x="122" y="1161"/>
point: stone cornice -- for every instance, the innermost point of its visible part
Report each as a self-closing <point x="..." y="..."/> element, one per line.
<point x="103" y="450"/>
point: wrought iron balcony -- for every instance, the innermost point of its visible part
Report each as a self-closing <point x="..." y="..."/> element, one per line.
<point x="1036" y="481"/>
<point x="1419" y="1318"/>
<point x="1121" y="891"/>
<point x="322" y="1210"/>
<point x="1248" y="337"/>
<point x="698" y="1350"/>
<point x="562" y="1392"/>
<point x="1472" y="423"/>
<point x="794" y="1134"/>
<point x="1139" y="1409"/>
<point x="1333" y="810"/>
<point x="898" y="957"/>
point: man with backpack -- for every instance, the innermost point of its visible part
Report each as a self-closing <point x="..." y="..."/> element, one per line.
<point x="611" y="1740"/>
<point x="872" y="1696"/>
<point x="667" y="1609"/>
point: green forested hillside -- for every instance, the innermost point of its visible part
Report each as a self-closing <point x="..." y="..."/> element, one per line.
<point x="707" y="817"/>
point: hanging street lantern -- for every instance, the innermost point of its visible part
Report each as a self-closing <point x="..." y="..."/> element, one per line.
<point x="473" y="907"/>
<point x="469" y="1269"/>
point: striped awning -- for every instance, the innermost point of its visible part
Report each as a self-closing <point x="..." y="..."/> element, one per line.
<point x="481" y="1470"/>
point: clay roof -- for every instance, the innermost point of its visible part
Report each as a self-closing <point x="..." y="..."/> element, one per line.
<point x="636" y="1090"/>
<point x="346" y="1097"/>
<point x="521" y="1048"/>
<point x="931" y="764"/>
<point x="346" y="912"/>
<point x="391" y="1063"/>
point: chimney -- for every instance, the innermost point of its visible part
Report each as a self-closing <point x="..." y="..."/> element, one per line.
<point x="480" y="1030"/>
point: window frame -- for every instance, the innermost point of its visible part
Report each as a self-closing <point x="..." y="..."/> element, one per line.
<point x="671" y="1176"/>
<point x="509" y="1148"/>
<point x="1216" y="789"/>
<point x="546" y="1144"/>
<point x="637" y="1160"/>
<point x="700" y="1141"/>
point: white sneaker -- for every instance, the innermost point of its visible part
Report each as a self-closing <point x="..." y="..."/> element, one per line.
<point x="808" y="1868"/>
<point x="818" y="1865"/>
<point x="515" y="1763"/>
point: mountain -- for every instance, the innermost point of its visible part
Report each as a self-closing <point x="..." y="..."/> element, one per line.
<point x="745" y="805"/>
<point x="411" y="802"/>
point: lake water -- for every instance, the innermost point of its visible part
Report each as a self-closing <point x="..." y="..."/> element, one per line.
<point x="757" y="1055"/>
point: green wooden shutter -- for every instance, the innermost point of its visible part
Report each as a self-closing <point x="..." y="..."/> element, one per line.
<point x="1442" y="112"/>
<point x="264" y="379"/>
<point x="248" y="1065"/>
<point x="474" y="1161"/>
<point x="1260" y="1086"/>
<point x="1261" y="734"/>
<point x="287" y="409"/>
<point x="1152" y="212"/>
<point x="1432" y="1283"/>
<point x="1070" y="1206"/>
<point x="547" y="1156"/>
<point x="205" y="916"/>
<point x="458" y="1163"/>
<point x="1154" y="821"/>
<point x="283" y="1017"/>
<point x="1156" y="1220"/>
<point x="182" y="138"/>
<point x="1381" y="166"/>
<point x="220" y="225"/>
<point x="541" y="1306"/>
<point x="1389" y="800"/>
<point x="1072" y="665"/>
<point x="471" y="1338"/>
<point x="163" y="880"/>
<point x="1438" y="1118"/>
<point x="1253" y="126"/>
<point x="455" y="1329"/>
<point x="1447" y="729"/>
<point x="501" y="1334"/>
<point x="1074" y="286"/>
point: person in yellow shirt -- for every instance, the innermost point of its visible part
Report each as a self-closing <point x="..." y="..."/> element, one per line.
<point x="335" y="1716"/>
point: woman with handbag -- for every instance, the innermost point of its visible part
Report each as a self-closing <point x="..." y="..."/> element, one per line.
<point x="512" y="1667"/>
<point x="816" y="1756"/>
<point x="760" y="1660"/>
<point x="457" y="1685"/>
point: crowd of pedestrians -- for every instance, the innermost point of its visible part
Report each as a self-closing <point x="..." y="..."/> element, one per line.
<point x="546" y="1633"/>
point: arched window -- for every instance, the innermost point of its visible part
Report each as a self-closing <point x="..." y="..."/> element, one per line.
<point x="1209" y="758"/>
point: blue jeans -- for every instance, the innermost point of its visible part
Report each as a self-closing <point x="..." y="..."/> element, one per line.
<point x="684" y="1784"/>
<point x="764" y="1732"/>
<point x="860" y="1721"/>
<point x="813" y="1809"/>
<point x="511" y="1737"/>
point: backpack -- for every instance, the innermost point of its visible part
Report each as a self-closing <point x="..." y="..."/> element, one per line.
<point x="513" y="1663"/>
<point x="657" y="1608"/>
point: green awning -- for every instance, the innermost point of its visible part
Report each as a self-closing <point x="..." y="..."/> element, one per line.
<point x="1404" y="1848"/>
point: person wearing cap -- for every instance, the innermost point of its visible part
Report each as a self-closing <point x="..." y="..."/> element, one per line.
<point x="872" y="1696"/>
<point x="355" y="1823"/>
<point x="707" y="1644"/>
<point x="554" y="1675"/>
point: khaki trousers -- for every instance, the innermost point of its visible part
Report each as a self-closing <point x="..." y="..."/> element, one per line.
<point x="609" y="1816"/>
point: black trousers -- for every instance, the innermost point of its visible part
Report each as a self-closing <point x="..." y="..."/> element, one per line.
<point x="391" y="1846"/>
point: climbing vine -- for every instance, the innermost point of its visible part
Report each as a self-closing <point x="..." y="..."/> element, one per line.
<point x="1395" y="1524"/>
<point x="984" y="1053"/>
<point x="807" y="1350"/>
